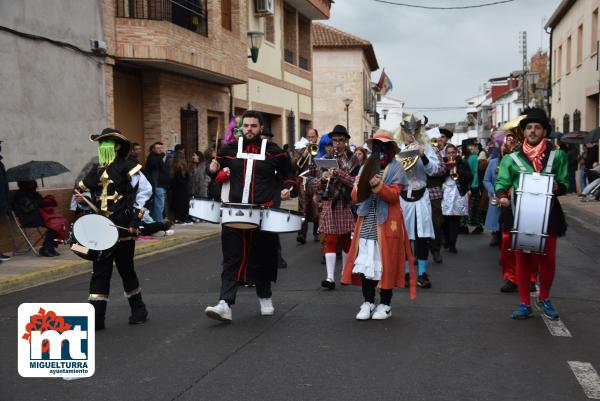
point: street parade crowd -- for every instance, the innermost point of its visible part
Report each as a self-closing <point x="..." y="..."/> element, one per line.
<point x="387" y="209"/>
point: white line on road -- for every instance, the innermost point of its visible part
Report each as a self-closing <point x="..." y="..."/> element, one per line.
<point x="588" y="378"/>
<point x="556" y="327"/>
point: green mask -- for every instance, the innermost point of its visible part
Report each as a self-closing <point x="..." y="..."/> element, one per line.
<point x="106" y="152"/>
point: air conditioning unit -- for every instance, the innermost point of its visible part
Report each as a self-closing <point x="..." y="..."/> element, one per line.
<point x="265" y="7"/>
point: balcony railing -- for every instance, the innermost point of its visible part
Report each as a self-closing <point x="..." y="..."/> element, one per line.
<point x="188" y="14"/>
<point x="288" y="56"/>
<point x="303" y="63"/>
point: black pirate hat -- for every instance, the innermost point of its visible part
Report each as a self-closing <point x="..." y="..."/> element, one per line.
<point x="339" y="130"/>
<point x="111" y="134"/>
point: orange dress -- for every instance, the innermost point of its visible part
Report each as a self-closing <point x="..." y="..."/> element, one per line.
<point x="393" y="241"/>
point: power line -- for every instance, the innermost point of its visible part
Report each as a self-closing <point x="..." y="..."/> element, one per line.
<point x="444" y="8"/>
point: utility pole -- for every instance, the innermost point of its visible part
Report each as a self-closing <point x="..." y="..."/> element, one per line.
<point x="523" y="51"/>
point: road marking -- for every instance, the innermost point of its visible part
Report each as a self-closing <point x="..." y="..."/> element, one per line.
<point x="588" y="378"/>
<point x="556" y="327"/>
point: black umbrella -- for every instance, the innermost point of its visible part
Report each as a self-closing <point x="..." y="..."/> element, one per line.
<point x="593" y="136"/>
<point x="576" y="138"/>
<point x="33" y="170"/>
<point x="555" y="135"/>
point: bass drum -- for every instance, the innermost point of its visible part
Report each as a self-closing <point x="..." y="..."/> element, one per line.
<point x="93" y="237"/>
<point x="206" y="209"/>
<point x="240" y="215"/>
<point x="278" y="220"/>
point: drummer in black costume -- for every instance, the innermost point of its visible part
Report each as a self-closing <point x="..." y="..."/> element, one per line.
<point x="249" y="255"/>
<point x="119" y="190"/>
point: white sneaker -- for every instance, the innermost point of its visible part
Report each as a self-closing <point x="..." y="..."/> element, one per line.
<point x="382" y="312"/>
<point x="220" y="311"/>
<point x="168" y="233"/>
<point x="266" y="306"/>
<point x="365" y="311"/>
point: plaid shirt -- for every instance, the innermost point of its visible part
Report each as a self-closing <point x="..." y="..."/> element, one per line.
<point x="435" y="191"/>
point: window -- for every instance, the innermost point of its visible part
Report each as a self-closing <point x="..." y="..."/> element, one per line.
<point x="559" y="63"/>
<point x="289" y="34"/>
<point x="579" y="45"/>
<point x="304" y="43"/>
<point x="594" y="35"/>
<point x="568" y="66"/>
<point x="226" y="14"/>
<point x="566" y="124"/>
<point x="576" y="120"/>
<point x="270" y="28"/>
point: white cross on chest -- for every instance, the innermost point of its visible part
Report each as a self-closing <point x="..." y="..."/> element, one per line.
<point x="249" y="164"/>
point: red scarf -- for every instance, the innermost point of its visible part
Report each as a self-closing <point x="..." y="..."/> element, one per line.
<point x="535" y="154"/>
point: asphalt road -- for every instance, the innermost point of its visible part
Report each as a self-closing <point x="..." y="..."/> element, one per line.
<point x="455" y="342"/>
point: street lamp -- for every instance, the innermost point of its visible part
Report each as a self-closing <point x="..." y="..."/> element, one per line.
<point x="347" y="104"/>
<point x="384" y="112"/>
<point x="255" y="39"/>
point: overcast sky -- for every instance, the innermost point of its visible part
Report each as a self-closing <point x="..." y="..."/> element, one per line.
<point x="442" y="57"/>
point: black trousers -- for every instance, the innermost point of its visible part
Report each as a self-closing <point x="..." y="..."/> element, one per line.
<point x="368" y="290"/>
<point x="248" y="256"/>
<point x="102" y="270"/>
<point x="435" y="244"/>
<point x="49" y="240"/>
<point x="151" y="228"/>
<point x="453" y="225"/>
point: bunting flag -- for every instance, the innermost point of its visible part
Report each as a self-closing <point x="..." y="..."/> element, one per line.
<point x="384" y="84"/>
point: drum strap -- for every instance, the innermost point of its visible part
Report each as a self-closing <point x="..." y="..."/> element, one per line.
<point x="518" y="161"/>
<point x="548" y="169"/>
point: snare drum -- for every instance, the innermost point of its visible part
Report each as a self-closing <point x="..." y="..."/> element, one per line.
<point x="206" y="209"/>
<point x="278" y="220"/>
<point x="240" y="215"/>
<point x="532" y="212"/>
<point x="93" y="237"/>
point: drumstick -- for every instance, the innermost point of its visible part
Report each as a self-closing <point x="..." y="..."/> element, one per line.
<point x="90" y="204"/>
<point x="121" y="227"/>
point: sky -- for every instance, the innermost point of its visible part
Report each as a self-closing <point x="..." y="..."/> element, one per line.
<point x="442" y="57"/>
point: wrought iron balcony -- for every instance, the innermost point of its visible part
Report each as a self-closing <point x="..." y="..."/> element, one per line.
<point x="189" y="14"/>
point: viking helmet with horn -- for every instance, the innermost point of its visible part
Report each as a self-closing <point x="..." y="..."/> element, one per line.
<point x="411" y="124"/>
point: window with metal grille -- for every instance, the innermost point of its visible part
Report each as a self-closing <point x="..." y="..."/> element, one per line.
<point x="189" y="14"/>
<point x="566" y="124"/>
<point x="291" y="128"/>
<point x="189" y="130"/>
<point x="576" y="120"/>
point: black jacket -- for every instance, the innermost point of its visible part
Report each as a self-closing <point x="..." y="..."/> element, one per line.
<point x="270" y="176"/>
<point x="156" y="171"/>
<point x="3" y="189"/>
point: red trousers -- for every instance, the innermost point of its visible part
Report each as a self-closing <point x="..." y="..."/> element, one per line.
<point x="546" y="265"/>
<point x="508" y="261"/>
<point x="333" y="242"/>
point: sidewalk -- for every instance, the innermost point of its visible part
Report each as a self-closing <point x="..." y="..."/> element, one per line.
<point x="585" y="213"/>
<point x="29" y="270"/>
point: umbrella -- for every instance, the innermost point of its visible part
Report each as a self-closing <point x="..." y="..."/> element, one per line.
<point x="576" y="138"/>
<point x="555" y="135"/>
<point x="593" y="136"/>
<point x="33" y="170"/>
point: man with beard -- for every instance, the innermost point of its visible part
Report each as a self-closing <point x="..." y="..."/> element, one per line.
<point x="249" y="255"/>
<point x="536" y="155"/>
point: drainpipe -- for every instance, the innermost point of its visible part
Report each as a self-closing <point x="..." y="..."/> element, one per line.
<point x="230" y="103"/>
<point x="549" y="91"/>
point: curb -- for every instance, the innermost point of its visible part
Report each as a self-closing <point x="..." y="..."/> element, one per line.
<point x="78" y="267"/>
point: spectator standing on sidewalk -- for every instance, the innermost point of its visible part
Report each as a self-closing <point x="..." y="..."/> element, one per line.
<point x="136" y="152"/>
<point x="180" y="196"/>
<point x="3" y="197"/>
<point x="158" y="175"/>
<point x="198" y="177"/>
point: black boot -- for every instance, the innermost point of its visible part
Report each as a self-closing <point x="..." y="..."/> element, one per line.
<point x="100" y="313"/>
<point x="139" y="314"/>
